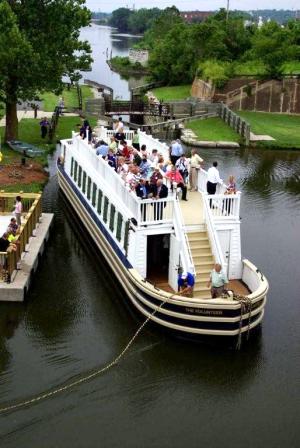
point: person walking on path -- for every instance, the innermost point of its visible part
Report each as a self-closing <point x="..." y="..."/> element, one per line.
<point x="44" y="123"/>
<point x="217" y="281"/>
<point x="195" y="166"/>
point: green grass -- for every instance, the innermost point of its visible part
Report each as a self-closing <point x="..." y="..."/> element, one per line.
<point x="284" y="128"/>
<point x="50" y="100"/>
<point x="213" y="129"/>
<point x="173" y="92"/>
<point x="29" y="131"/>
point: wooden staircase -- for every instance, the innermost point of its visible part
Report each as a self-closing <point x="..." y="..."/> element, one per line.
<point x="203" y="261"/>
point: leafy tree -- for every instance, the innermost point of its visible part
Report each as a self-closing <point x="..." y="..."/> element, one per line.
<point x="39" y="43"/>
<point x="120" y="19"/>
<point x="142" y="19"/>
<point x="216" y="72"/>
<point x="274" y="45"/>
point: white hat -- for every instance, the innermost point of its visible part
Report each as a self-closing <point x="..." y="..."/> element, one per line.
<point x="184" y="275"/>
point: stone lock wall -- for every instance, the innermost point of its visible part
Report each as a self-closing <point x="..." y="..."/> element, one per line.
<point x="140" y="56"/>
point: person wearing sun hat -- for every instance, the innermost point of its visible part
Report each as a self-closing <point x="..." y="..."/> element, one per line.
<point x="186" y="282"/>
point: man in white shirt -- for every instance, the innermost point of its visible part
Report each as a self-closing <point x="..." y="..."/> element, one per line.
<point x="213" y="178"/>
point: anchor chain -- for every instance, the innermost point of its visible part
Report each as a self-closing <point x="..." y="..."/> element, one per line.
<point x="85" y="378"/>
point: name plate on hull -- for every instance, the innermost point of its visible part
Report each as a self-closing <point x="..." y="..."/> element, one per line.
<point x="204" y="312"/>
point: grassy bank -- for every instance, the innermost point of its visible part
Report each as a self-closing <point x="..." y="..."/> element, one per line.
<point x="29" y="131"/>
<point x="213" y="129"/>
<point x="123" y="66"/>
<point x="284" y="128"/>
<point x="50" y="100"/>
<point x="173" y="92"/>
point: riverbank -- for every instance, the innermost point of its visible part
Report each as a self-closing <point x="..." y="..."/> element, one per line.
<point x="213" y="130"/>
<point x="172" y="93"/>
<point x="33" y="176"/>
<point x="124" y="67"/>
<point x="285" y="129"/>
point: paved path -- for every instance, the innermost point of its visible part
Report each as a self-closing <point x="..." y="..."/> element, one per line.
<point x="30" y="114"/>
<point x="260" y="138"/>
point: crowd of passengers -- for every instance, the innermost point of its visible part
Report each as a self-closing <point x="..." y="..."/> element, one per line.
<point x="146" y="171"/>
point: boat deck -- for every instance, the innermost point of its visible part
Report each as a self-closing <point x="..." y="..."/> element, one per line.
<point x="237" y="286"/>
<point x="192" y="209"/>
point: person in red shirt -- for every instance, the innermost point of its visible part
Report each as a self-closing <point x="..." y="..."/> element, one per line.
<point x="175" y="177"/>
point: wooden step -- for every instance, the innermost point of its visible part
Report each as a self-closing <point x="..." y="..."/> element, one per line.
<point x="203" y="266"/>
<point x="197" y="236"/>
<point x="205" y="257"/>
<point x="201" y="252"/>
<point x="202" y="244"/>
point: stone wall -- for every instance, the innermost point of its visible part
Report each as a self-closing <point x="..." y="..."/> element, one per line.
<point x="281" y="96"/>
<point x="140" y="56"/>
<point x="202" y="90"/>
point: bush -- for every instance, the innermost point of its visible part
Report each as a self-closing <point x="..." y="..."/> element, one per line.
<point x="216" y="72"/>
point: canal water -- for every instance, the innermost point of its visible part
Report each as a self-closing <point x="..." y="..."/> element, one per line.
<point x="165" y="392"/>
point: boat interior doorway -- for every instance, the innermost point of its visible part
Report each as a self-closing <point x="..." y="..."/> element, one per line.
<point x="158" y="258"/>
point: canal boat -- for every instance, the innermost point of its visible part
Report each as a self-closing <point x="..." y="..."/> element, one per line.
<point x="145" y="249"/>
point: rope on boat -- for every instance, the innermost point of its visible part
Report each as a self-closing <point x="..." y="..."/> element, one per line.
<point x="246" y="307"/>
<point x="85" y="378"/>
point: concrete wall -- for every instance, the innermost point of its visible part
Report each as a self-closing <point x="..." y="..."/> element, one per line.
<point x="140" y="56"/>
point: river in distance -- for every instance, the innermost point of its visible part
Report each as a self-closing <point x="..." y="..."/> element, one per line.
<point x="166" y="392"/>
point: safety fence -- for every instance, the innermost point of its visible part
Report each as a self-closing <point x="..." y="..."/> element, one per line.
<point x="32" y="211"/>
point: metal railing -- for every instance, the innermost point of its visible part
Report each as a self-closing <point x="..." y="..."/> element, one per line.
<point x="32" y="208"/>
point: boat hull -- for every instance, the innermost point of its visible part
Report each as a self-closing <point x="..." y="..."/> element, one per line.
<point x="183" y="315"/>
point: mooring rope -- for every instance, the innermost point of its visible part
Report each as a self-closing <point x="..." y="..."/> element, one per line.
<point x="85" y="378"/>
<point x="246" y="307"/>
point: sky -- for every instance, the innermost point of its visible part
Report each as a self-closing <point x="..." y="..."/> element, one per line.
<point x="186" y="5"/>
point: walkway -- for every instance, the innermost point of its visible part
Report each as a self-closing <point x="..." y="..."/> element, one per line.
<point x="30" y="114"/>
<point x="192" y="209"/>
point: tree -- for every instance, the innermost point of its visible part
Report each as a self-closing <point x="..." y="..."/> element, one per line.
<point x="39" y="43"/>
<point x="120" y="18"/>
<point x="274" y="45"/>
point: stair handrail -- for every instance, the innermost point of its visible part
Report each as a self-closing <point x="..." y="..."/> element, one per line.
<point x="185" y="252"/>
<point x="212" y="233"/>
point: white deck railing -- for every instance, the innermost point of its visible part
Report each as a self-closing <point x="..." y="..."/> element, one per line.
<point x="146" y="212"/>
<point x="212" y="232"/>
<point x="144" y="139"/>
<point x="223" y="206"/>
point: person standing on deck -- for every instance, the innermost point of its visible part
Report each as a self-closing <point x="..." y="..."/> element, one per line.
<point x="176" y="151"/>
<point x="213" y="179"/>
<point x="195" y="166"/>
<point x="217" y="281"/>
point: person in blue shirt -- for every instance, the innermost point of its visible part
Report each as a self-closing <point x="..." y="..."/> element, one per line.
<point x="186" y="282"/>
<point x="176" y="151"/>
<point x="102" y="150"/>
